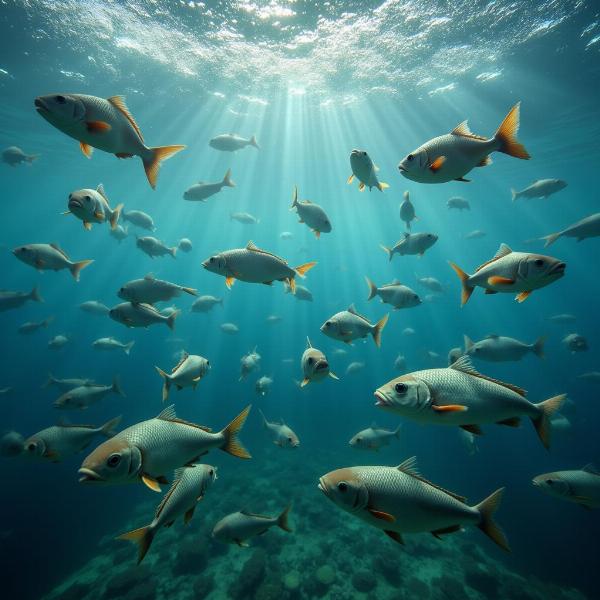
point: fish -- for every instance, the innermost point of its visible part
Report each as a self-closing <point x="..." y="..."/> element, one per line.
<point x="407" y="211"/>
<point x="562" y="318"/>
<point x="94" y="307"/>
<point x="33" y="326"/>
<point x="454" y="354"/>
<point x="239" y="527"/>
<point x="469" y="441"/>
<point x="591" y="376"/>
<point x="147" y="451"/>
<point x="111" y="343"/>
<point x="312" y="214"/>
<point x="315" y="366"/>
<point x="373" y="438"/>
<point x="139" y="219"/>
<point x="460" y="396"/>
<point x="349" y="325"/>
<point x="560" y="424"/>
<point x="243" y="217"/>
<point x="49" y="257"/>
<point x="10" y="300"/>
<point x="575" y="342"/>
<point x="230" y="328"/>
<point x="202" y="190"/>
<point x="458" y="203"/>
<point x="476" y="234"/>
<point x="509" y="272"/>
<point x="13" y="156"/>
<point x="66" y="384"/>
<point x="396" y="294"/>
<point x="11" y="444"/>
<point x="190" y="485"/>
<point x="411" y="243"/>
<point x="205" y="303"/>
<point x="451" y="156"/>
<point x="408" y="331"/>
<point x="190" y="369"/>
<point x="230" y="142"/>
<point x="400" y="362"/>
<point x="105" y="124"/>
<point x="58" y="342"/>
<point x="286" y="235"/>
<point x="273" y="319"/>
<point x="61" y="441"/>
<point x="542" y="188"/>
<point x="185" y="245"/>
<point x="119" y="233"/>
<point x="263" y="385"/>
<point x="581" y="486"/>
<point x="365" y="171"/>
<point x="151" y="290"/>
<point x="282" y="435"/>
<point x="253" y="265"/>
<point x="301" y="292"/>
<point x="431" y="283"/>
<point x="499" y="348"/>
<point x="249" y="362"/>
<point x="141" y="315"/>
<point x="354" y="367"/>
<point x="5" y="390"/>
<point x="587" y="227"/>
<point x="92" y="206"/>
<point x="84" y="396"/>
<point x="399" y="500"/>
<point x="154" y="247"/>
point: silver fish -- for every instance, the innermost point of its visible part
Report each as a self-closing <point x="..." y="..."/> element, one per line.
<point x="581" y="486"/>
<point x="458" y="203"/>
<point x="66" y="384"/>
<point x="373" y="438"/>
<point x="281" y="434"/>
<point x="84" y="396"/>
<point x="412" y="243"/>
<point x="10" y="300"/>
<point x="150" y="290"/>
<point x="205" y="303"/>
<point x="315" y="366"/>
<point x="407" y="211"/>
<point x="575" y="342"/>
<point x="13" y="156"/>
<point x="243" y="217"/>
<point x="311" y="214"/>
<point x="365" y="171"/>
<point x="396" y="294"/>
<point x="33" y="326"/>
<point x="185" y="245"/>
<point x="49" y="257"/>
<point x="92" y="206"/>
<point x="499" y="348"/>
<point x="230" y="142"/>
<point x="154" y="247"/>
<point x="94" y="307"/>
<point x="349" y="325"/>
<point x="202" y="190"/>
<point x="542" y="188"/>
<point x="190" y="369"/>
<point x="111" y="343"/>
<point x="587" y="227"/>
<point x="141" y="315"/>
<point x="139" y="219"/>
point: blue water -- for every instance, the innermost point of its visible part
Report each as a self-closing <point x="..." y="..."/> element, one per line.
<point x="311" y="84"/>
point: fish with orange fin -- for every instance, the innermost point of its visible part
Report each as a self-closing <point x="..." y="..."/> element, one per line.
<point x="511" y="272"/>
<point x="105" y="124"/>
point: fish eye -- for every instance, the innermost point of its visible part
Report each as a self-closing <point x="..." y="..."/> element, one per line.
<point x="401" y="388"/>
<point x="311" y="360"/>
<point x="359" y="439"/>
<point x="549" y="482"/>
<point x="539" y="262"/>
<point x="31" y="446"/>
<point x="342" y="486"/>
<point x="290" y="439"/>
<point x="87" y="198"/>
<point x="212" y="259"/>
<point x="113" y="460"/>
<point x="409" y="157"/>
<point x="211" y="472"/>
<point x="364" y="153"/>
<point x="60" y="99"/>
<point x="327" y="323"/>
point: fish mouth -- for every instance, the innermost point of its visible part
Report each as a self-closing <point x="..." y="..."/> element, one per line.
<point x="322" y="366"/>
<point x="75" y="203"/>
<point x="205" y="264"/>
<point x="380" y="399"/>
<point x="88" y="476"/>
<point x="40" y="105"/>
<point x="401" y="169"/>
<point x="321" y="485"/>
<point x="558" y="268"/>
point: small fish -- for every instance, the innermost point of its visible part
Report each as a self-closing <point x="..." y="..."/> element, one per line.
<point x="469" y="441"/>
<point x="510" y="272"/>
<point x="10" y="300"/>
<point x="66" y="384"/>
<point x="396" y="294"/>
<point x="249" y="362"/>
<point x="355" y="367"/>
<point x="562" y="318"/>
<point x="580" y="486"/>
<point x="301" y="292"/>
<point x="412" y="243"/>
<point x="110" y="343"/>
<point x="61" y="441"/>
<point x="84" y="396"/>
<point x="476" y="234"/>
<point x="140" y="315"/>
<point x="94" y="308"/>
<point x="13" y="156"/>
<point x="253" y="265"/>
<point x="263" y="385"/>
<point x="230" y="142"/>
<point x="104" y="124"/>
<point x="432" y="356"/>
<point x="202" y="190"/>
<point x="373" y="438"/>
<point x="499" y="348"/>
<point x="190" y="484"/>
<point x="5" y="390"/>
<point x="92" y="206"/>
<point x="431" y="283"/>
<point x="454" y="354"/>
<point x="460" y="396"/>
<point x="407" y="211"/>
<point x="33" y="326"/>
<point x="542" y="188"/>
<point x="408" y="331"/>
<point x="560" y="424"/>
<point x="576" y="343"/>
<point x="286" y="235"/>
<point x="58" y="341"/>
<point x="587" y="227"/>
<point x="150" y="290"/>
<point x="458" y="203"/>
<point x="273" y="319"/>
<point x="230" y="328"/>
<point x="282" y="435"/>
<point x="243" y="217"/>
<point x="49" y="257"/>
<point x="154" y="247"/>
<point x="185" y="245"/>
<point x="365" y="171"/>
<point x="399" y="500"/>
<point x="205" y="303"/>
<point x="11" y="444"/>
<point x="190" y="369"/>
<point x="314" y="365"/>
<point x="400" y="363"/>
<point x="119" y="233"/>
<point x="339" y="352"/>
<point x="311" y="214"/>
<point x="139" y="219"/>
<point x="591" y="376"/>
<point x="148" y="450"/>
<point x="349" y="325"/>
<point x="239" y="527"/>
<point x="450" y="157"/>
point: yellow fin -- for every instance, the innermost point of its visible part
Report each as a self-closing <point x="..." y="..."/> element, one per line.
<point x="436" y="165"/>
<point x="151" y="483"/>
<point x="497" y="280"/>
<point x="229" y="281"/>
<point x="351" y="178"/>
<point x="522" y="296"/>
<point x="87" y="226"/>
<point x="361" y="186"/>
<point x="86" y="149"/>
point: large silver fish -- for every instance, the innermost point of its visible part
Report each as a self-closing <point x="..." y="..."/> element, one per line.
<point x="587" y="227"/>
<point x="500" y="348"/>
<point x="349" y="325"/>
<point x="141" y="315"/>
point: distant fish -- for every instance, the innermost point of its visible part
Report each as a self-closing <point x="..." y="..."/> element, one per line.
<point x="58" y="341"/>
<point x="243" y="217"/>
<point x="140" y="315"/>
<point x="185" y="245"/>
<point x="13" y="156"/>
<point x="206" y="303"/>
<point x="230" y="142"/>
<point x="301" y="293"/>
<point x="66" y="384"/>
<point x="407" y="211"/>
<point x="591" y="376"/>
<point x="373" y="438"/>
<point x="397" y="295"/>
<point x="190" y="369"/>
<point x="588" y="227"/>
<point x="562" y="318"/>
<point x="412" y="243"/>
<point x="408" y="331"/>
<point x="155" y="247"/>
<point x="33" y="326"/>
<point x="11" y="444"/>
<point x="94" y="307"/>
<point x="349" y="325"/>
<point x="580" y="486"/>
<point x="458" y="203"/>
<point x="84" y="396"/>
<point x="282" y="435"/>
<point x="139" y="219"/>
<point x="230" y="328"/>
<point x="431" y="283"/>
<point x="499" y="348"/>
<point x="273" y="319"/>
<point x="49" y="257"/>
<point x="104" y="124"/>
<point x="365" y="171"/>
<point x="10" y="300"/>
<point x="111" y="343"/>
<point x="542" y="188"/>
<point x="5" y="391"/>
<point x="451" y="156"/>
<point x="315" y="366"/>
<point x="92" y="206"/>
<point x="249" y="362"/>
<point x="311" y="214"/>
<point x="355" y="367"/>
<point x="202" y="190"/>
<point x="400" y="362"/>
<point x="560" y="424"/>
<point x="575" y="342"/>
<point x="151" y="290"/>
<point x="476" y="234"/>
<point x="286" y="235"/>
<point x="119" y="233"/>
<point x="454" y="354"/>
<point x="263" y="385"/>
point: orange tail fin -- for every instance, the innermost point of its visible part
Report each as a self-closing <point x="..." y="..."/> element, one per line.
<point x="152" y="164"/>
<point x="142" y="537"/>
<point x="467" y="290"/>
<point x="507" y="135"/>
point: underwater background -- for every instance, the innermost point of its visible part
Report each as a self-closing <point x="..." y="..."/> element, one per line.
<point x="312" y="81"/>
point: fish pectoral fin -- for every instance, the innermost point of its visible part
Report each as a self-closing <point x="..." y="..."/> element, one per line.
<point x="304" y="382"/>
<point x="229" y="281"/>
<point x="490" y="291"/>
<point x="436" y="165"/>
<point x="350" y="179"/>
<point x="379" y="514"/>
<point x="485" y="162"/>
<point x="86" y="149"/>
<point x="97" y="126"/>
<point x="439" y="532"/>
<point x="511" y="422"/>
<point x="333" y="375"/>
<point x="99" y="215"/>
<point x="317" y="233"/>
<point x="394" y="535"/>
<point x="361" y="186"/>
<point x="522" y="296"/>
<point x="188" y="515"/>
<point x="87" y="225"/>
<point x="474" y="429"/>
<point x="463" y="179"/>
<point x="151" y="483"/>
<point x="497" y="280"/>
<point x="449" y="408"/>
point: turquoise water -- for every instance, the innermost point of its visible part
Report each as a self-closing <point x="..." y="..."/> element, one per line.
<point x="312" y="83"/>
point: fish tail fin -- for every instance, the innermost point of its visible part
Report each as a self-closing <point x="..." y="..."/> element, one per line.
<point x="467" y="290"/>
<point x="116" y="387"/>
<point x="302" y="270"/>
<point x="128" y="347"/>
<point x="166" y="384"/>
<point x="382" y="186"/>
<point x="190" y="291"/>
<point x="486" y="509"/>
<point x="550" y="239"/>
<point x="294" y="198"/>
<point x="389" y="251"/>
<point x="253" y="142"/>
<point x="171" y="319"/>
<point x="77" y="267"/>
<point x="232" y="444"/>
<point x="397" y="432"/>
<point x="35" y="294"/>
<point x="468" y="342"/>
<point x="108" y="429"/>
<point x="48" y="381"/>
<point x="542" y="422"/>
<point x="282" y="519"/>
<point x="378" y="328"/>
<point x="538" y="346"/>
<point x="142" y="537"/>
<point x="514" y="194"/>
<point x="227" y="181"/>
<point x="372" y="289"/>
<point x="506" y="135"/>
<point x="173" y="251"/>
<point x="152" y="163"/>
<point x="114" y="216"/>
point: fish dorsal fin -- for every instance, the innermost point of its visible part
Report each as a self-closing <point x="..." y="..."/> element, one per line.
<point x="149" y="307"/>
<point x="409" y="466"/>
<point x="100" y="190"/>
<point x="149" y="276"/>
<point x="590" y="468"/>
<point x="59" y="249"/>
<point x="183" y="358"/>
<point x="308" y="344"/>
<point x="166" y="497"/>
<point x="251" y="246"/>
<point x="168" y="414"/>
<point x="503" y="251"/>
<point x="119" y="103"/>
<point x="463" y="130"/>
<point x="492" y="336"/>
<point x="352" y="310"/>
<point x="464" y="365"/>
<point x="247" y="513"/>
